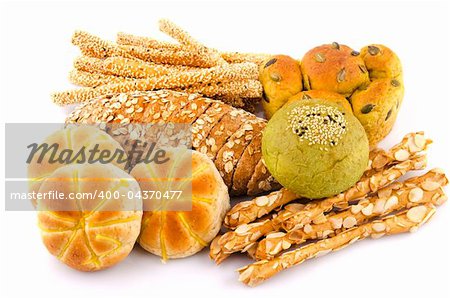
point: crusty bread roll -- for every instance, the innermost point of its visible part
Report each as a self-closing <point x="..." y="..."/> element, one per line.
<point x="227" y="135"/>
<point x="73" y="138"/>
<point x="178" y="234"/>
<point x="90" y="235"/>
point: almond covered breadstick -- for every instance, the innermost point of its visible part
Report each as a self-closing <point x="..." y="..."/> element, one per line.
<point x="415" y="191"/>
<point x="289" y="219"/>
<point x="408" y="221"/>
<point x="182" y="79"/>
<point x="365" y="186"/>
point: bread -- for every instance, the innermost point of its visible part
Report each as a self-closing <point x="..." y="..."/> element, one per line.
<point x="90" y="235"/>
<point x="371" y="81"/>
<point x="177" y="234"/>
<point x="326" y="95"/>
<point x="334" y="67"/>
<point x="73" y="138"/>
<point x="377" y="106"/>
<point x="218" y="130"/>
<point x="281" y="78"/>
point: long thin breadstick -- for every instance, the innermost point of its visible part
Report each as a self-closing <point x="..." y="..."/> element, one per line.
<point x="146" y="42"/>
<point x="190" y="43"/>
<point x="365" y="186"/>
<point x="411" y="145"/>
<point x="407" y="221"/>
<point x="246" y="234"/>
<point x="414" y="191"/>
<point x="182" y="79"/>
<point x="236" y="57"/>
<point x="119" y="66"/>
<point x="91" y="45"/>
<point x="88" y="79"/>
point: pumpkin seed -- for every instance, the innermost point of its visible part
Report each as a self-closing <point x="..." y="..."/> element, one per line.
<point x="354" y="53"/>
<point x="395" y="83"/>
<point x="373" y="50"/>
<point x="341" y="75"/>
<point x="306" y="96"/>
<point x="275" y="77"/>
<point x="319" y="57"/>
<point x="367" y="108"/>
<point x="362" y="68"/>
<point x="265" y="98"/>
<point x="306" y="83"/>
<point x="335" y="45"/>
<point x="270" y="62"/>
<point x="388" y="115"/>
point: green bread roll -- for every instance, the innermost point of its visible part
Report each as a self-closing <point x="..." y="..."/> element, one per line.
<point x="315" y="148"/>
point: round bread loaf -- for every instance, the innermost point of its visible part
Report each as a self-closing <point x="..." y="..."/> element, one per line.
<point x="281" y="78"/>
<point x="90" y="234"/>
<point x="323" y="149"/>
<point x="71" y="138"/>
<point x="176" y="234"/>
<point x="334" y="67"/>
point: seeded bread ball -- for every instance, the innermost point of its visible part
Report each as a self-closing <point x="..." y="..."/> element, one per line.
<point x="334" y="67"/>
<point x="381" y="62"/>
<point x="315" y="148"/>
<point x="377" y="107"/>
<point x="281" y="78"/>
<point x="325" y="95"/>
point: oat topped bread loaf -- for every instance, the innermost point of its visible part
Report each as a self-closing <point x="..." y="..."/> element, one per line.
<point x="228" y="136"/>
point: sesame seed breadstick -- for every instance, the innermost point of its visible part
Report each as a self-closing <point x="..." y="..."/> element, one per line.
<point x="236" y="57"/>
<point x="190" y="43"/>
<point x="88" y="79"/>
<point x="365" y="186"/>
<point x="245" y="234"/>
<point x="169" y="56"/>
<point x="414" y="191"/>
<point x="120" y="66"/>
<point x="408" y="221"/>
<point x="243" y="88"/>
<point x="211" y="75"/>
<point x="146" y="42"/>
<point x="91" y="45"/>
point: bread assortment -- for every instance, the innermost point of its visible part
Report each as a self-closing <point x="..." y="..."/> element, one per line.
<point x="313" y="171"/>
<point x="177" y="234"/>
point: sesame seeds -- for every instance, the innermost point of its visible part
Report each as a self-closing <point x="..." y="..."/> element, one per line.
<point x="318" y="124"/>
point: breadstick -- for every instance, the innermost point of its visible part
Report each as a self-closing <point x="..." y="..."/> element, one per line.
<point x="146" y="42"/>
<point x="87" y="79"/>
<point x="244" y="235"/>
<point x="171" y="81"/>
<point x="236" y="57"/>
<point x="169" y="56"/>
<point x="91" y="45"/>
<point x="119" y="66"/>
<point x="407" y="221"/>
<point x="365" y="186"/>
<point x="411" y="145"/>
<point x="190" y="43"/>
<point x="415" y="191"/>
<point x="248" y="211"/>
<point x="245" y="88"/>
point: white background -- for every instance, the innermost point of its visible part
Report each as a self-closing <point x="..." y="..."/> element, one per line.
<point x="36" y="56"/>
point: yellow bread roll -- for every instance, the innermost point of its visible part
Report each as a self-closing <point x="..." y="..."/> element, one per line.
<point x="334" y="67"/>
<point x="90" y="235"/>
<point x="71" y="138"/>
<point x="281" y="78"/>
<point x="176" y="234"/>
